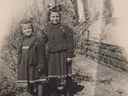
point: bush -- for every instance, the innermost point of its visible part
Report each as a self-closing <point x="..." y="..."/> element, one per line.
<point x="7" y="87"/>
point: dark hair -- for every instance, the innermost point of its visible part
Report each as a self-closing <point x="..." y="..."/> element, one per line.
<point x="55" y="9"/>
<point x="26" y="21"/>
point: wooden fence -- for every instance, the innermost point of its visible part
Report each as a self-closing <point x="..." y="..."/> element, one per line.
<point x="107" y="54"/>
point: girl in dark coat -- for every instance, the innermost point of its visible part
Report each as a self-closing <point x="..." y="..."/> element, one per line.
<point x="59" y="49"/>
<point x="31" y="55"/>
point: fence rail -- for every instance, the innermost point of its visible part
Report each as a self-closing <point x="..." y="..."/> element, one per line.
<point x="107" y="54"/>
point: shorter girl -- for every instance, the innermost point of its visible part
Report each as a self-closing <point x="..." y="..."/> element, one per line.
<point x="31" y="55"/>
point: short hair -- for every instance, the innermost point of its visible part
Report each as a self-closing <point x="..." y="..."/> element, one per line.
<point x="26" y="21"/>
<point x="56" y="9"/>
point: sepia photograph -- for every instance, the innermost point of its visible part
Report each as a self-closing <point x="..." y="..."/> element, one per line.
<point x="63" y="48"/>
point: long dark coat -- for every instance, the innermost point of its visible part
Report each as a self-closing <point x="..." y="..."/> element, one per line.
<point x="60" y="46"/>
<point x="31" y="56"/>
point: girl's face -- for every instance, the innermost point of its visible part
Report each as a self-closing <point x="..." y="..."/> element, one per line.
<point x="27" y="29"/>
<point x="54" y="18"/>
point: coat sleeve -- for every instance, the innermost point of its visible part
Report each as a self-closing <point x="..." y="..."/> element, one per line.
<point x="70" y="42"/>
<point x="19" y="54"/>
<point x="40" y="55"/>
<point x="18" y="47"/>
